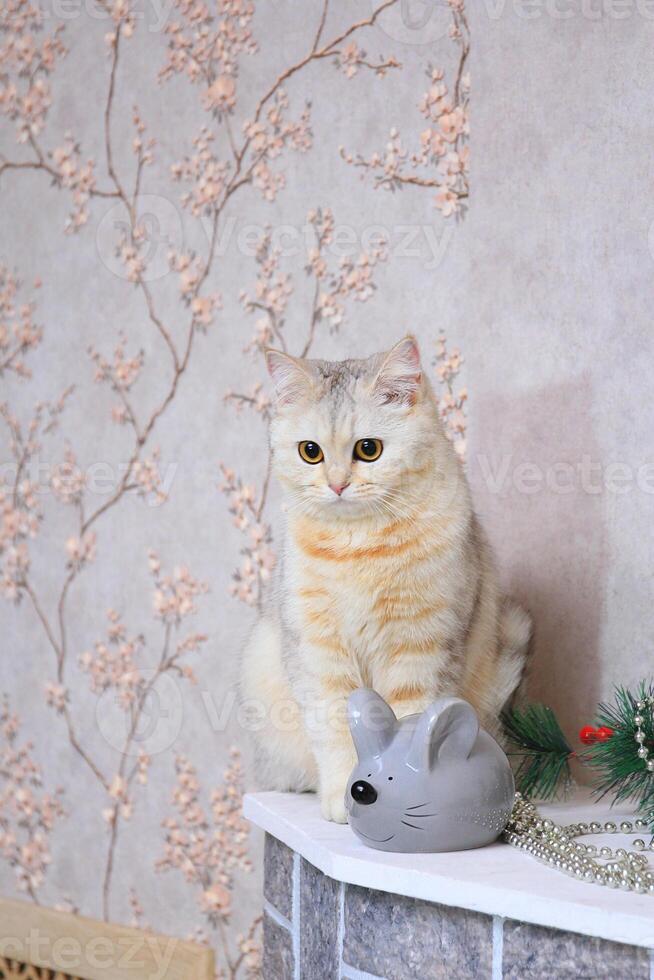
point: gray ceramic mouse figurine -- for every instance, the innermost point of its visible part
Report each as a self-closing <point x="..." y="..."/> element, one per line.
<point x="429" y="782"/>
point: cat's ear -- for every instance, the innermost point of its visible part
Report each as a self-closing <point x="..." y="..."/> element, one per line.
<point x="400" y="376"/>
<point x="372" y="722"/>
<point x="447" y="729"/>
<point x="291" y="379"/>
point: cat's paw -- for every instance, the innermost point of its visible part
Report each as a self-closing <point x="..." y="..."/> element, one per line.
<point x="332" y="805"/>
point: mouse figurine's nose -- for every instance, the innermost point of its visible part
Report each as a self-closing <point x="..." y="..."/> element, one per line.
<point x="362" y="792"/>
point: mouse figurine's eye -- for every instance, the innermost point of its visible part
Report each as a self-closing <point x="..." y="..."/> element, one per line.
<point x="368" y="450"/>
<point x="310" y="452"/>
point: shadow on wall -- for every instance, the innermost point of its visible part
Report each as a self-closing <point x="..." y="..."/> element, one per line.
<point x="534" y="467"/>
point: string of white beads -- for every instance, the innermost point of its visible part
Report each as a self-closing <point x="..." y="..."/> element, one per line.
<point x="556" y="846"/>
<point x="639" y="720"/>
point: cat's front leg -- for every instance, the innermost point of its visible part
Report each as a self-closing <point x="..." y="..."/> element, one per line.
<point x="335" y="764"/>
<point x="326" y="721"/>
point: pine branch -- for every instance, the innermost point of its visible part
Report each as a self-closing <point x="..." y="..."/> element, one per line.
<point x="543" y="750"/>
<point x="619" y="771"/>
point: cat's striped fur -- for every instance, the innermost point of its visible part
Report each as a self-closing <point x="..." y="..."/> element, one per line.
<point x="389" y="585"/>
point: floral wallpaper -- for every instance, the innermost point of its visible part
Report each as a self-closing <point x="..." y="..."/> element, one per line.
<point x="184" y="182"/>
<point x="138" y="525"/>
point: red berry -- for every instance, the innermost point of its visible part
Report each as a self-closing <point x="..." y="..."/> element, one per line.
<point x="588" y="735"/>
<point x="604" y="734"/>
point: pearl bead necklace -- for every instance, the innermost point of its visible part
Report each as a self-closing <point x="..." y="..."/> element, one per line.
<point x="556" y="846"/>
<point x="639" y="721"/>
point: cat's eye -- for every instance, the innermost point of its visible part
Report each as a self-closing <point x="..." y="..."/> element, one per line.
<point x="310" y="452"/>
<point x="368" y="450"/>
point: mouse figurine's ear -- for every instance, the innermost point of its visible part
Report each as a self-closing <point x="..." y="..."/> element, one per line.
<point x="447" y="729"/>
<point x="372" y="722"/>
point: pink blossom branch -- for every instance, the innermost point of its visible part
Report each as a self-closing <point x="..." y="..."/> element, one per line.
<point x="248" y="947"/>
<point x="379" y="67"/>
<point x="131" y="414"/>
<point x="121" y="194"/>
<point x="136" y="717"/>
<point x="24" y="447"/>
<point x="174" y="601"/>
<point x="27" y="814"/>
<point x="313" y="321"/>
<point x="42" y="164"/>
<point x="263" y="500"/>
<point x="321" y="25"/>
<point x="442" y="144"/>
<point x="450" y="403"/>
<point x="462" y="29"/>
<point x="314" y="54"/>
<point x="231" y="140"/>
<point x="11" y="358"/>
<point x="274" y="325"/>
<point x="242" y="399"/>
<point x="420" y="182"/>
<point x="209" y="849"/>
<point x="60" y="653"/>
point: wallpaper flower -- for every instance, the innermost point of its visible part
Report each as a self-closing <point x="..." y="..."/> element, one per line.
<point x="92" y="642"/>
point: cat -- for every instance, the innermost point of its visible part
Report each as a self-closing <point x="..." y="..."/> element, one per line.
<point x="385" y="578"/>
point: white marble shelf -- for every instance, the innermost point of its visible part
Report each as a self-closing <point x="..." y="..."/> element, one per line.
<point x="498" y="880"/>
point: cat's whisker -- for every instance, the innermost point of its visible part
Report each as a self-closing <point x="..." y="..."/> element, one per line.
<point x="398" y="512"/>
<point x="408" y="501"/>
<point x="405" y="496"/>
<point x="297" y="502"/>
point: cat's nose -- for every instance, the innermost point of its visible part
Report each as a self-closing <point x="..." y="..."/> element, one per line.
<point x="338" y="488"/>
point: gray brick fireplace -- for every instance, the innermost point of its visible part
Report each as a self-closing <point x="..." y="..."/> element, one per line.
<point x="355" y="917"/>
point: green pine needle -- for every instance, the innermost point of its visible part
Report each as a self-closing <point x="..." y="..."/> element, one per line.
<point x="543" y="750"/>
<point x="619" y="771"/>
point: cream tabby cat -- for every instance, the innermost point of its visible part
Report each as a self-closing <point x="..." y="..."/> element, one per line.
<point x="385" y="579"/>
